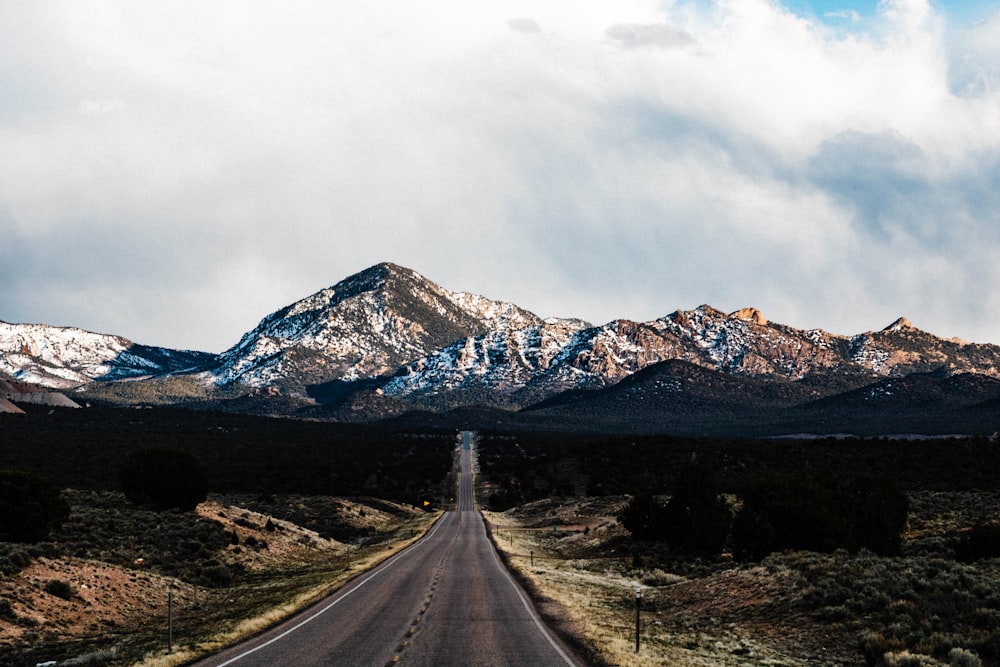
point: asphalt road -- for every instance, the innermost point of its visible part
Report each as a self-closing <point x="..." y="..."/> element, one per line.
<point x="446" y="600"/>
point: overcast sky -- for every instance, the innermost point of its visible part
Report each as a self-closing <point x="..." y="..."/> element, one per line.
<point x="174" y="171"/>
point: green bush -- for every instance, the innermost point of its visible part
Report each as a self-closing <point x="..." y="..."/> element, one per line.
<point x="164" y="479"/>
<point x="30" y="506"/>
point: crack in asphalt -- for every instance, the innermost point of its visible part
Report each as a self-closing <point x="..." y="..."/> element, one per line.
<point x="404" y="644"/>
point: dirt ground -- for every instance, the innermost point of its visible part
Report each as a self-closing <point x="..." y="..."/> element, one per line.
<point x="66" y="600"/>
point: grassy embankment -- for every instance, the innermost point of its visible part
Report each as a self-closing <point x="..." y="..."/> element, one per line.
<point x="924" y="608"/>
<point x="97" y="594"/>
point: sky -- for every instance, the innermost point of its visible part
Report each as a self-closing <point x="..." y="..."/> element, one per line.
<point x="174" y="171"/>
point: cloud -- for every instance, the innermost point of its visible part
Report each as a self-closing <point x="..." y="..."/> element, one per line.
<point x="524" y="25"/>
<point x="176" y="171"/>
<point x="845" y="14"/>
<point x="877" y="176"/>
<point x="634" y="35"/>
<point x="94" y="107"/>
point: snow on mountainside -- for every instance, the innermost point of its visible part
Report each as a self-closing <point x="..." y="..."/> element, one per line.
<point x="364" y="326"/>
<point x="518" y="367"/>
<point x="500" y="361"/>
<point x="531" y="365"/>
<point x="65" y="357"/>
<point x="745" y="342"/>
<point x="392" y="333"/>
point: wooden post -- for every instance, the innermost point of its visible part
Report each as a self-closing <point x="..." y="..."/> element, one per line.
<point x="638" y="601"/>
<point x="170" y="620"/>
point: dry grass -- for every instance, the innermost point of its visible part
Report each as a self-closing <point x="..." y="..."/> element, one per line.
<point x="311" y="585"/>
<point x="792" y="609"/>
<point x="116" y="613"/>
<point x="708" y="615"/>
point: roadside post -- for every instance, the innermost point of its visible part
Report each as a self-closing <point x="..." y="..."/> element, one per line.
<point x="638" y="602"/>
<point x="170" y="619"/>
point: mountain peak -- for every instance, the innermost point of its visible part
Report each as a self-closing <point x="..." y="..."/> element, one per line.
<point x="371" y="279"/>
<point x="901" y="324"/>
<point x="367" y="325"/>
<point x="750" y="315"/>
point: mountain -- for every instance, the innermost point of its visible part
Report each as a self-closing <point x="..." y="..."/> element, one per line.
<point x="387" y="341"/>
<point x="20" y="392"/>
<point x="65" y="357"/>
<point x="674" y="390"/>
<point x="364" y="326"/>
<point x="517" y="368"/>
<point x="682" y="398"/>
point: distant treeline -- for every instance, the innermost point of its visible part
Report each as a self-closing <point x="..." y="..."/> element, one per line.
<point x="531" y="465"/>
<point x="87" y="448"/>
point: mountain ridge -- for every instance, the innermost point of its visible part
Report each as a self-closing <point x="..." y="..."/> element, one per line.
<point x="387" y="338"/>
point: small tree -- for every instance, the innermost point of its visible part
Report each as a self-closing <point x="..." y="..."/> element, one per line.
<point x="877" y="510"/>
<point x="697" y="519"/>
<point x="644" y="517"/>
<point x="30" y="506"/>
<point x="784" y="510"/>
<point x="164" y="479"/>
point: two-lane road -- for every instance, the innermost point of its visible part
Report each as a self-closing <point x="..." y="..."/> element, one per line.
<point x="446" y="600"/>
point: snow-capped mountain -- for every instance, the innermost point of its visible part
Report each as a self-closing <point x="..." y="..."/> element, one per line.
<point x="517" y="367"/>
<point x="403" y="340"/>
<point x="65" y="357"/>
<point x="520" y="366"/>
<point x="366" y="325"/>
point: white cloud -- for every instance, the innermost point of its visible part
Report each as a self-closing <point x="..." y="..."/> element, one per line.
<point x="524" y="25"/>
<point x="94" y="107"/>
<point x="847" y="14"/>
<point x="195" y="166"/>
<point x="660" y="35"/>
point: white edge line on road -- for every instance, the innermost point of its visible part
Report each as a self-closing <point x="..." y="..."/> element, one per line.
<point x="531" y="611"/>
<point x="381" y="568"/>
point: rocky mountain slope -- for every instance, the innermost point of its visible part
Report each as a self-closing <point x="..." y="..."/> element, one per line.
<point x="12" y="393"/>
<point x="525" y="366"/>
<point x="65" y="357"/>
<point x="387" y="340"/>
<point x="366" y="325"/>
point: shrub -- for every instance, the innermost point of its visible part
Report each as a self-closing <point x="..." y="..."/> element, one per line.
<point x="30" y="506"/>
<point x="983" y="541"/>
<point x="907" y="659"/>
<point x="960" y="657"/>
<point x="60" y="589"/>
<point x="7" y="612"/>
<point x="214" y="575"/>
<point x="644" y="517"/>
<point x="164" y="479"/>
<point x="875" y="645"/>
